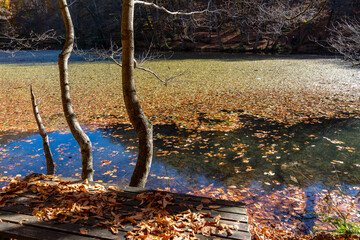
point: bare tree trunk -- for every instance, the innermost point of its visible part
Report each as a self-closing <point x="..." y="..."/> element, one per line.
<point x="142" y="125"/>
<point x="191" y="22"/>
<point x="76" y="130"/>
<point x="217" y="25"/>
<point x="258" y="36"/>
<point x="48" y="155"/>
<point x="210" y="28"/>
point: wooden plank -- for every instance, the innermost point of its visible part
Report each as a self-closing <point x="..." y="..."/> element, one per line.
<point x="67" y="228"/>
<point x="26" y="232"/>
<point x="28" y="221"/>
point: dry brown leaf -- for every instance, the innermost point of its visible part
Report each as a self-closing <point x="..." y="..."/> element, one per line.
<point x="214" y="206"/>
<point x="114" y="230"/>
<point x="206" y="200"/>
<point x="83" y="230"/>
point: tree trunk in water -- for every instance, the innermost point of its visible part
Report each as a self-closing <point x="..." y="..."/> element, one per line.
<point x="48" y="155"/>
<point x="137" y="117"/>
<point x="76" y="130"/>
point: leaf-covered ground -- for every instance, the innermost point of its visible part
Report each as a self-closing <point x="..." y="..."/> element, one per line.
<point x="282" y="89"/>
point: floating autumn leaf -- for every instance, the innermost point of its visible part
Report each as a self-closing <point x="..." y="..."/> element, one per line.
<point x="337" y="162"/>
<point x="249" y="169"/>
<point x="270" y="173"/>
<point x="105" y="162"/>
<point x="276" y="182"/>
<point x="245" y="160"/>
<point x="83" y="231"/>
<point x="335" y="141"/>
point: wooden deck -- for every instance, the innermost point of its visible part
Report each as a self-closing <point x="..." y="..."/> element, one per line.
<point x="17" y="220"/>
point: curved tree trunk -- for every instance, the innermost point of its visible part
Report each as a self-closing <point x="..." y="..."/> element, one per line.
<point x="76" y="130"/>
<point x="50" y="168"/>
<point x="142" y="125"/>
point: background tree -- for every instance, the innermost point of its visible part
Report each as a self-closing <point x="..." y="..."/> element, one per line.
<point x="345" y="39"/>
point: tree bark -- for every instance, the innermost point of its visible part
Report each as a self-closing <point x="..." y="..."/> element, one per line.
<point x="76" y="130"/>
<point x="48" y="155"/>
<point x="142" y="125"/>
<point x="217" y="25"/>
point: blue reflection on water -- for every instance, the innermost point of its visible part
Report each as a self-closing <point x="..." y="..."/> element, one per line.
<point x="112" y="161"/>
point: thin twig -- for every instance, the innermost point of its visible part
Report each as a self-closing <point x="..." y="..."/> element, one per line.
<point x="171" y="12"/>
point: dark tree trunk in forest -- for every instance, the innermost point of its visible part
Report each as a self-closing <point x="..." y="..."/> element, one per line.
<point x="50" y="168"/>
<point x="142" y="125"/>
<point x="76" y="130"/>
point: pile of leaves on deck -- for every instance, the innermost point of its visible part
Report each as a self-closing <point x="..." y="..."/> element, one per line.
<point x="78" y="202"/>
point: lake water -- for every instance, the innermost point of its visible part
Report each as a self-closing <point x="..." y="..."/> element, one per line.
<point x="260" y="155"/>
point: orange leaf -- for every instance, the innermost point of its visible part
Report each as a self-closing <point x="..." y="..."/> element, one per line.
<point x="214" y="206"/>
<point x="114" y="230"/>
<point x="206" y="200"/>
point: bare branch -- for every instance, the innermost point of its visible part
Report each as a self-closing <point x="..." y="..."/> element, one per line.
<point x="172" y="12"/>
<point x="16" y="42"/>
<point x="302" y="12"/>
<point x="114" y="54"/>
<point x="165" y="82"/>
<point x="4" y="13"/>
<point x="345" y="39"/>
<point x="307" y="9"/>
<point x="318" y="12"/>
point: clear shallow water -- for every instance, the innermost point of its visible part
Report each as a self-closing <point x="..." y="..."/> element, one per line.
<point x="261" y="155"/>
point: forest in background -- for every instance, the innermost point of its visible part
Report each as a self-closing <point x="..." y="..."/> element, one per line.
<point x="229" y="25"/>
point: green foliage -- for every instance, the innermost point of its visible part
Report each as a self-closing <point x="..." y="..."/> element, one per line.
<point x="342" y="226"/>
<point x="336" y="219"/>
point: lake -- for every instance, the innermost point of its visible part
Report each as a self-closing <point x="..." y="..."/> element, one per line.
<point x="260" y="155"/>
<point x="281" y="171"/>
